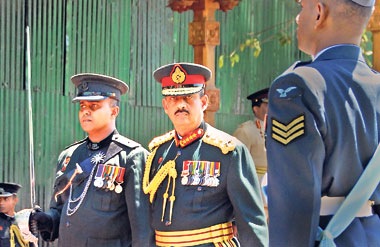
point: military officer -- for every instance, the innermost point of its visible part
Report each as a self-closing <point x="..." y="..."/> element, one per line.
<point x="199" y="178"/>
<point x="10" y="235"/>
<point x="252" y="132"/>
<point x="323" y="128"/>
<point x="98" y="198"/>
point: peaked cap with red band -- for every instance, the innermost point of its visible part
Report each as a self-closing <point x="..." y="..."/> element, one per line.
<point x="182" y="78"/>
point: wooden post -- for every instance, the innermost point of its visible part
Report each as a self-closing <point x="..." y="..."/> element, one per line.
<point x="374" y="27"/>
<point x="204" y="37"/>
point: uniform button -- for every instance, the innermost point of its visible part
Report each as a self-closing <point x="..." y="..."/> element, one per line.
<point x="199" y="188"/>
<point x="67" y="224"/>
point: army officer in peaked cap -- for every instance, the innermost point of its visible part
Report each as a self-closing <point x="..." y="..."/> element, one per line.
<point x="252" y="132"/>
<point x="98" y="199"/>
<point x="323" y="128"/>
<point x="200" y="179"/>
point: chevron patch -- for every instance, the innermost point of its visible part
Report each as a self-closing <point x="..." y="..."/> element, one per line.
<point x="287" y="133"/>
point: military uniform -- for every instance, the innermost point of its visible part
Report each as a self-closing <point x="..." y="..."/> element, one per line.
<point x="108" y="216"/>
<point x="98" y="199"/>
<point x="10" y="235"/>
<point x="323" y="128"/>
<point x="209" y="186"/>
<point x="200" y="182"/>
<point x="8" y="229"/>
<point x="251" y="133"/>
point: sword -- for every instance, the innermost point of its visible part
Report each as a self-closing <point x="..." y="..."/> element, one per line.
<point x="33" y="223"/>
<point x="30" y="121"/>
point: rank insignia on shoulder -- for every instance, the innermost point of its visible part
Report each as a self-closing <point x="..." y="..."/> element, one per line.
<point x="286" y="133"/>
<point x="223" y="141"/>
<point x="157" y="141"/>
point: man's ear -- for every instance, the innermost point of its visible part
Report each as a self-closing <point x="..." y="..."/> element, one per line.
<point x="164" y="105"/>
<point x="204" y="100"/>
<point x="321" y="15"/>
<point x="115" y="111"/>
<point x="255" y="109"/>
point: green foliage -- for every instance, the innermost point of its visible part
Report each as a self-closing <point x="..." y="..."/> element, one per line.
<point x="284" y="37"/>
<point x="253" y="44"/>
<point x="366" y="46"/>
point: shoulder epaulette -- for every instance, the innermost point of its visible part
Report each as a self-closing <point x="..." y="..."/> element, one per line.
<point x="75" y="143"/>
<point x="161" y="139"/>
<point x="125" y="141"/>
<point x="68" y="151"/>
<point x="220" y="139"/>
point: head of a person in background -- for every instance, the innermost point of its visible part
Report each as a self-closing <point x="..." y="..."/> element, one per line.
<point x="183" y="88"/>
<point x="324" y="23"/>
<point x="98" y="97"/>
<point x="8" y="198"/>
<point x="259" y="101"/>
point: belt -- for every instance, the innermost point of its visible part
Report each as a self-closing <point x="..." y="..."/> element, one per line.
<point x="213" y="234"/>
<point x="329" y="206"/>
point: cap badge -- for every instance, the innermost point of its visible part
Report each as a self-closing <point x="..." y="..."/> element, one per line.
<point x="83" y="86"/>
<point x="178" y="75"/>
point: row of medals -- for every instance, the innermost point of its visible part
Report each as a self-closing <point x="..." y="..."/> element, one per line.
<point x="108" y="183"/>
<point x="210" y="181"/>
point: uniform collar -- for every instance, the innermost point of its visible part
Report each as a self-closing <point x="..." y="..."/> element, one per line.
<point x="183" y="141"/>
<point x="98" y="145"/>
<point x="6" y="217"/>
<point x="342" y="51"/>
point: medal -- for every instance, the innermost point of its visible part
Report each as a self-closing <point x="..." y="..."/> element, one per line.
<point x="99" y="176"/>
<point x="114" y="176"/>
<point x="98" y="182"/>
<point x="118" y="189"/>
<point x="184" y="180"/>
<point x="196" y="180"/>
<point x="120" y="180"/>
<point x="111" y="179"/>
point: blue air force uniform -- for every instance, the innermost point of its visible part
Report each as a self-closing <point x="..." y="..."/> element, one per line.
<point x="323" y="128"/>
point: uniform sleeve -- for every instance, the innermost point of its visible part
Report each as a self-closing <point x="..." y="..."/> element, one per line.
<point x="56" y="204"/>
<point x="295" y="152"/>
<point x="137" y="201"/>
<point x="244" y="192"/>
<point x="241" y="134"/>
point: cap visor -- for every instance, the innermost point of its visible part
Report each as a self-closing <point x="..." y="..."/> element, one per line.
<point x="6" y="194"/>
<point x="88" y="98"/>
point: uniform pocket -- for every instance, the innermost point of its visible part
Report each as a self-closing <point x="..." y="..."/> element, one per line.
<point x="106" y="200"/>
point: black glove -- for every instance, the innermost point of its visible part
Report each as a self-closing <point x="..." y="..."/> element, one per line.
<point x="43" y="220"/>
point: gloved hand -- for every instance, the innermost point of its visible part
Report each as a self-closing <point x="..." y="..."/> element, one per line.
<point x="43" y="221"/>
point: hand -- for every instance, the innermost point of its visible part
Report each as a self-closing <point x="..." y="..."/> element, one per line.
<point x="43" y="220"/>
